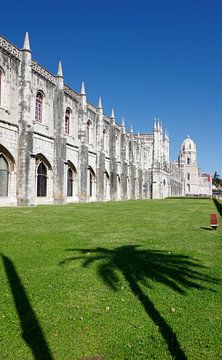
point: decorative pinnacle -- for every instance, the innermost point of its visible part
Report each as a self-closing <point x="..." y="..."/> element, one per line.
<point x="59" y="72"/>
<point x="112" y="115"/>
<point x="154" y="126"/>
<point x="131" y="129"/>
<point x="26" y="45"/>
<point x="123" y="122"/>
<point x="100" y="103"/>
<point x="83" y="92"/>
<point x="158" y="123"/>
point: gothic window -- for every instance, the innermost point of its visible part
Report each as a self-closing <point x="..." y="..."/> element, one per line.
<point x="41" y="180"/>
<point x="38" y="106"/>
<point x="3" y="176"/>
<point x="88" y="132"/>
<point x="188" y="188"/>
<point x="104" y="139"/>
<point x="90" y="184"/>
<point x="67" y="121"/>
<point x="188" y="176"/>
<point x="188" y="161"/>
<point x="69" y="182"/>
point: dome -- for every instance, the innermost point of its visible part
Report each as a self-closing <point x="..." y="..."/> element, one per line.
<point x="188" y="145"/>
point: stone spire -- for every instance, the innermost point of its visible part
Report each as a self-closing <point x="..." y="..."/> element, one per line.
<point x="100" y="111"/>
<point x="131" y="129"/>
<point x="113" y="117"/>
<point x="100" y="104"/>
<point x="83" y="97"/>
<point x="138" y="137"/>
<point x="158" y="124"/>
<point x="123" y="126"/>
<point x="154" y="123"/>
<point x="26" y="45"/>
<point x="166" y="136"/>
<point x="59" y="72"/>
<point x="83" y="92"/>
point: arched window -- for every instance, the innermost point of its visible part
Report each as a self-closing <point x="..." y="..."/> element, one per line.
<point x="88" y="132"/>
<point x="188" y="161"/>
<point x="90" y="184"/>
<point x="38" y="106"/>
<point x="67" y="121"/>
<point x="104" y="139"/>
<point x="188" y="188"/>
<point x="69" y="182"/>
<point x="188" y="176"/>
<point x="41" y="180"/>
<point x="3" y="176"/>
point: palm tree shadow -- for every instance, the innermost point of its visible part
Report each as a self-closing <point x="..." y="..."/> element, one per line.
<point x="147" y="266"/>
<point x="31" y="330"/>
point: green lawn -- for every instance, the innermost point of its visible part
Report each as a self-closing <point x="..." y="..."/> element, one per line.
<point x="119" y="280"/>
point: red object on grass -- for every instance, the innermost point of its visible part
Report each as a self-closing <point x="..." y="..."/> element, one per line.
<point x="213" y="221"/>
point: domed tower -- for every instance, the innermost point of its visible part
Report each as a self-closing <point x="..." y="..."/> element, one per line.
<point x="188" y="164"/>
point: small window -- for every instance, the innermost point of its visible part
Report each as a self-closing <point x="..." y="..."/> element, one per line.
<point x="188" y="188"/>
<point x="188" y="161"/>
<point x="41" y="180"/>
<point x="90" y="184"/>
<point x="89" y="132"/>
<point x="3" y="176"/>
<point x="69" y="182"/>
<point x="188" y="176"/>
<point x="67" y="121"/>
<point x="38" y="107"/>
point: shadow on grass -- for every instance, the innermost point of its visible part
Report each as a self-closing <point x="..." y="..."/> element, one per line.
<point x="206" y="228"/>
<point x="218" y="205"/>
<point x="146" y="267"/>
<point x="31" y="330"/>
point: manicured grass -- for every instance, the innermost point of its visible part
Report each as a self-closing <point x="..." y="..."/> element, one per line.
<point x="119" y="280"/>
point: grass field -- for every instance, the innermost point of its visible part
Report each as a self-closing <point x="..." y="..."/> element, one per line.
<point x="119" y="280"/>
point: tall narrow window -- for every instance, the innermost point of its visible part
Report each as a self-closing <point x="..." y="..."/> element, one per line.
<point x="38" y="107"/>
<point x="69" y="182"/>
<point x="188" y="176"/>
<point x="188" y="187"/>
<point x="41" y="180"/>
<point x="3" y="176"/>
<point x="90" y="184"/>
<point x="88" y="131"/>
<point x="188" y="161"/>
<point x="67" y="121"/>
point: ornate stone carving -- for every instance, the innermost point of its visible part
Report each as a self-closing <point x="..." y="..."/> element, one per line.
<point x="44" y="73"/>
<point x="91" y="108"/>
<point x="11" y="49"/>
<point x="73" y="94"/>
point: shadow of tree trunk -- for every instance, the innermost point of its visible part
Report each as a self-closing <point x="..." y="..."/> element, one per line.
<point x="31" y="330"/>
<point x="166" y="331"/>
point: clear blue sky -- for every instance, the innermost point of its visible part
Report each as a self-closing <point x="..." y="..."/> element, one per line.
<point x="145" y="58"/>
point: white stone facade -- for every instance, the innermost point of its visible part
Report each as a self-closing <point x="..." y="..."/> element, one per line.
<point x="56" y="147"/>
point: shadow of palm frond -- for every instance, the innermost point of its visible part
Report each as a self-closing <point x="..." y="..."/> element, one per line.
<point x="144" y="266"/>
<point x="177" y="271"/>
